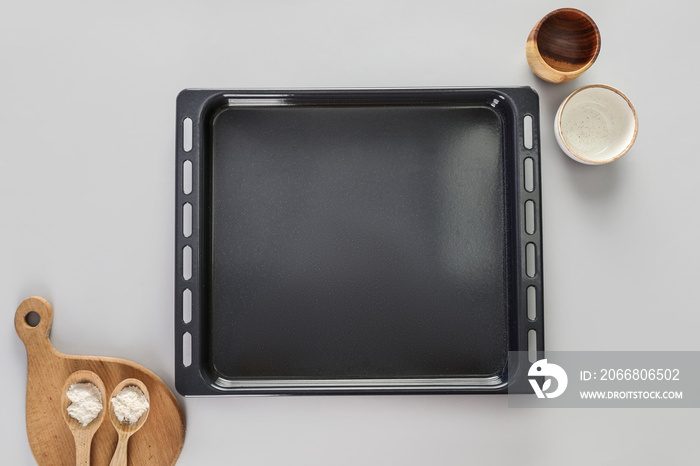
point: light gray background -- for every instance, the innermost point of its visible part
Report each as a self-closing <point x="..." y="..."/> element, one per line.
<point x="87" y="208"/>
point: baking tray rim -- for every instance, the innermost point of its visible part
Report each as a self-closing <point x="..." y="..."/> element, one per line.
<point x="197" y="104"/>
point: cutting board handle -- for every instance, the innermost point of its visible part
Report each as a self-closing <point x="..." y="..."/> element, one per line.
<point x="33" y="321"/>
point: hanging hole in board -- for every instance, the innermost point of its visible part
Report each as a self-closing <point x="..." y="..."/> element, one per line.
<point x="186" y="349"/>
<point x="529" y="169"/>
<point x="532" y="345"/>
<point x="187" y="177"/>
<point x="32" y="319"/>
<point x="527" y="132"/>
<point x="529" y="217"/>
<point x="187" y="220"/>
<point x="187" y="306"/>
<point x="530" y="260"/>
<point x="187" y="134"/>
<point x="187" y="262"/>
<point x="531" y="303"/>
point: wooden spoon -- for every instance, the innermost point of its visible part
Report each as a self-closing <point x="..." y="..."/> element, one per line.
<point x="82" y="434"/>
<point x="124" y="429"/>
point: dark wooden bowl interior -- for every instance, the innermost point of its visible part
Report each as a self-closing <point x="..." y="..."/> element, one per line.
<point x="568" y="40"/>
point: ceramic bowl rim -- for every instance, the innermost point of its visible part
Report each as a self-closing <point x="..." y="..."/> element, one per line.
<point x="576" y="154"/>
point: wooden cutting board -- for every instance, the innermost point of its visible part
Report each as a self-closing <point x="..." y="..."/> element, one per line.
<point x="159" y="441"/>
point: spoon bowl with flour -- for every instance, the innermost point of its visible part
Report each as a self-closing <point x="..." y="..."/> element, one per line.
<point x="129" y="406"/>
<point x="83" y="399"/>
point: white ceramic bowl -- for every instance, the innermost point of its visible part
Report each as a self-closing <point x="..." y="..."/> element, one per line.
<point x="596" y="124"/>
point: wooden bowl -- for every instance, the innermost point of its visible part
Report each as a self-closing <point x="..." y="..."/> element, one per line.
<point x="563" y="45"/>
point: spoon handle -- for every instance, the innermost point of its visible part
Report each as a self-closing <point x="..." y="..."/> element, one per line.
<point x="119" y="458"/>
<point x="82" y="449"/>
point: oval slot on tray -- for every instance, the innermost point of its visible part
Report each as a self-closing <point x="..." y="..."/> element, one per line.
<point x="187" y="134"/>
<point x="187" y="306"/>
<point x="527" y="131"/>
<point x="187" y="349"/>
<point x="530" y="268"/>
<point x="529" y="168"/>
<point x="532" y="345"/>
<point x="187" y="262"/>
<point x="187" y="177"/>
<point x="531" y="302"/>
<point x="187" y="220"/>
<point x="529" y="217"/>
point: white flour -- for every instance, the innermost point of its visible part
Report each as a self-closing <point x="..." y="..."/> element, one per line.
<point x="86" y="402"/>
<point x="130" y="404"/>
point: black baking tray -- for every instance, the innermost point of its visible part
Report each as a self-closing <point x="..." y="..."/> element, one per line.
<point x="357" y="240"/>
